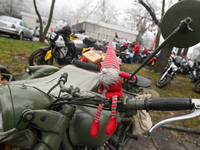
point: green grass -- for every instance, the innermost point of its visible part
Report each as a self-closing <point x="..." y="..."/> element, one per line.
<point x="14" y="55"/>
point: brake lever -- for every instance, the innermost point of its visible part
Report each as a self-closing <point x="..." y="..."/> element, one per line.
<point x="194" y="114"/>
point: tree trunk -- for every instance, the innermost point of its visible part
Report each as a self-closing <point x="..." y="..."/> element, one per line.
<point x="179" y="51"/>
<point x="162" y="60"/>
<point x="158" y="38"/>
<point x="184" y="52"/>
<point x="43" y="34"/>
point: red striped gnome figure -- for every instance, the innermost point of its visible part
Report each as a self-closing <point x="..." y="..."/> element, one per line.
<point x="110" y="78"/>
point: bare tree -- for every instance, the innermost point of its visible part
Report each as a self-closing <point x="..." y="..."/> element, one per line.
<point x="102" y="10"/>
<point x="43" y="34"/>
<point x="13" y="7"/>
<point x="166" y="51"/>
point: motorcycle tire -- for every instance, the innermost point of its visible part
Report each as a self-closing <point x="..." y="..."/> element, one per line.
<point x="192" y="78"/>
<point x="196" y="87"/>
<point x="164" y="82"/>
<point x="86" y="65"/>
<point x="37" y="58"/>
<point x="5" y="77"/>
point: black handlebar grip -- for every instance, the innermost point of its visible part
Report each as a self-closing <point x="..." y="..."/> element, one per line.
<point x="168" y="104"/>
<point x="64" y="75"/>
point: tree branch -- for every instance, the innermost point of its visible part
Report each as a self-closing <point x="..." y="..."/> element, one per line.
<point x="152" y="14"/>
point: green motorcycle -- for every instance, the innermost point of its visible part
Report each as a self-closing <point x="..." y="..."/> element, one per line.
<point x="55" y="112"/>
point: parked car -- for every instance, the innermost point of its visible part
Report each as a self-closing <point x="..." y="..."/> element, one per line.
<point x="37" y="32"/>
<point x="15" y="28"/>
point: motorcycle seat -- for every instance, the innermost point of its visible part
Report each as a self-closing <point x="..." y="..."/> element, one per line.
<point x="79" y="47"/>
<point x="77" y="77"/>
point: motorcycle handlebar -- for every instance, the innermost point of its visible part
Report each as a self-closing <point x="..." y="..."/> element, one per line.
<point x="168" y="104"/>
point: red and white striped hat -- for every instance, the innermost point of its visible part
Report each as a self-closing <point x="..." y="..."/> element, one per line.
<point x="110" y="60"/>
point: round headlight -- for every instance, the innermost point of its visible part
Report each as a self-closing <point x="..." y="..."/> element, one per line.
<point x="28" y="69"/>
<point x="174" y="68"/>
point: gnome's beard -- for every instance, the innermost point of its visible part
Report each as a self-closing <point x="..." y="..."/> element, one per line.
<point x="109" y="78"/>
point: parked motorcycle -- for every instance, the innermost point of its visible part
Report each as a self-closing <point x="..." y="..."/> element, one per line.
<point x="195" y="71"/>
<point x="169" y="72"/>
<point x="5" y="74"/>
<point x="35" y="116"/>
<point x="142" y="57"/>
<point x="56" y="114"/>
<point x="61" y="47"/>
<point x="152" y="61"/>
<point x="125" y="53"/>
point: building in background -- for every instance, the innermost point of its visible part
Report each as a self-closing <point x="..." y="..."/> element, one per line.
<point x="33" y="21"/>
<point x="102" y="30"/>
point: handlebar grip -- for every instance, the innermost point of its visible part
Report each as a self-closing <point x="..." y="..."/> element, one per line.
<point x="168" y="104"/>
<point x="64" y="75"/>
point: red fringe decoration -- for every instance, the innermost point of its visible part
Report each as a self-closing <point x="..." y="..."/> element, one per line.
<point x="94" y="129"/>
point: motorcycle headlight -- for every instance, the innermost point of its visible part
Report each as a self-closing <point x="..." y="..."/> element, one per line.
<point x="174" y="68"/>
<point x="28" y="69"/>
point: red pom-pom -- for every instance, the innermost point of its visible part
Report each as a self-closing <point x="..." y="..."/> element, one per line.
<point x="111" y="126"/>
<point x="94" y="129"/>
<point x="98" y="63"/>
<point x="83" y="59"/>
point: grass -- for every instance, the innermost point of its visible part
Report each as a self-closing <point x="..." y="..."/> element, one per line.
<point x="14" y="55"/>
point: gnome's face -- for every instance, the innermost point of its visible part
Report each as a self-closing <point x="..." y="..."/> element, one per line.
<point x="108" y="77"/>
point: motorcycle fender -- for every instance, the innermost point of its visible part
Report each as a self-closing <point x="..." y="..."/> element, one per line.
<point x="79" y="128"/>
<point x="48" y="55"/>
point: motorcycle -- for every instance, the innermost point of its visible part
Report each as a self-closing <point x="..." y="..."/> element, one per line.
<point x="195" y="71"/>
<point x="61" y="116"/>
<point x="5" y="74"/>
<point x="152" y="61"/>
<point x="169" y="72"/>
<point x="142" y="57"/>
<point x="125" y="53"/>
<point x="176" y="65"/>
<point x="61" y="47"/>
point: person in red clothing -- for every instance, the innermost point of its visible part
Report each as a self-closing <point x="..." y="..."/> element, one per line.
<point x="144" y="51"/>
<point x="136" y="50"/>
<point x="133" y="45"/>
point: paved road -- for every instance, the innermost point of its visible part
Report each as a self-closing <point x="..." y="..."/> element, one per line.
<point x="163" y="139"/>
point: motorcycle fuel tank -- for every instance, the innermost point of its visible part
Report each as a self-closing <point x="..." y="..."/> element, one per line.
<point x="79" y="128"/>
<point x="14" y="99"/>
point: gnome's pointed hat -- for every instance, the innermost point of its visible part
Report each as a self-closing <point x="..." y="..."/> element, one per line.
<point x="110" y="60"/>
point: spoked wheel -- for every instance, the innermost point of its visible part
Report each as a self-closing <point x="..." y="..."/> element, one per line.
<point x="161" y="83"/>
<point x="196" y="87"/>
<point x="37" y="58"/>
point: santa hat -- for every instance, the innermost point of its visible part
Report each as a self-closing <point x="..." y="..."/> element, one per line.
<point x="110" y="60"/>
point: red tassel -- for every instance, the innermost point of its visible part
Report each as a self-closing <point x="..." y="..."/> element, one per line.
<point x="111" y="126"/>
<point x="94" y="129"/>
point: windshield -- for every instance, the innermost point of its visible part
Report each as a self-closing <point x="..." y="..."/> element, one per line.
<point x="9" y="19"/>
<point x="59" y="25"/>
